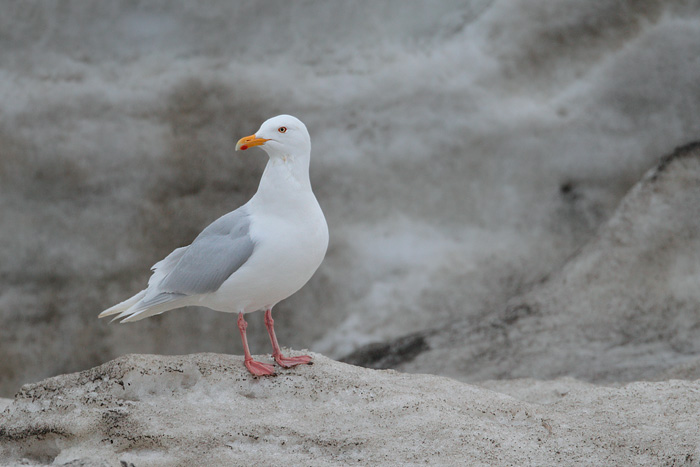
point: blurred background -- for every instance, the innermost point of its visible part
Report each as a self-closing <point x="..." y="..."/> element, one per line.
<point x="462" y="151"/>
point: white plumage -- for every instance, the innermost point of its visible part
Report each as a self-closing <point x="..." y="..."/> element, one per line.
<point x="254" y="257"/>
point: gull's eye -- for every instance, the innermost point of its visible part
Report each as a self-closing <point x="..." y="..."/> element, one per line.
<point x="282" y="129"/>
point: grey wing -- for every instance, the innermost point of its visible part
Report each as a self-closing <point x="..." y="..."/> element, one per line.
<point x="223" y="247"/>
<point x="164" y="266"/>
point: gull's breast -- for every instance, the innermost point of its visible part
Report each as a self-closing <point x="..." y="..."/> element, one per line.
<point x="289" y="247"/>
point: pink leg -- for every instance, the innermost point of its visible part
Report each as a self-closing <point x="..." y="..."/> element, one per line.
<point x="284" y="362"/>
<point x="255" y="367"/>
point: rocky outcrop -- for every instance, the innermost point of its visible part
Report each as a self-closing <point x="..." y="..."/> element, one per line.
<point x="625" y="307"/>
<point x="205" y="409"/>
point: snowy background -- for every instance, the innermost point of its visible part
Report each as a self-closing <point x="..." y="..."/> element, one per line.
<point x="462" y="151"/>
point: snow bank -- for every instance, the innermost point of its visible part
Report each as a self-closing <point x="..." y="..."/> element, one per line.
<point x="624" y="308"/>
<point x="204" y="409"/>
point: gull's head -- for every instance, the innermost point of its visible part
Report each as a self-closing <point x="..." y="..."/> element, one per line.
<point x="282" y="136"/>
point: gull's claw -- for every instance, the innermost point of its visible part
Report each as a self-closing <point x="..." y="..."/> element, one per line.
<point x="290" y="362"/>
<point x="259" y="368"/>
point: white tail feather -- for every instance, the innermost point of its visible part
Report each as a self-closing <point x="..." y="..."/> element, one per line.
<point x="125" y="305"/>
<point x="134" y="306"/>
<point x="141" y="313"/>
<point x="150" y="305"/>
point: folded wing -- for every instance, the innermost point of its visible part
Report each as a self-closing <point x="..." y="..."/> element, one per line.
<point x="218" y="252"/>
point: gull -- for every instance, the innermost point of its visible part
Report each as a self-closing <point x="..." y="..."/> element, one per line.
<point x="254" y="257"/>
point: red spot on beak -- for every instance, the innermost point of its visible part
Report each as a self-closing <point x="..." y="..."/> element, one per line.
<point x="244" y="147"/>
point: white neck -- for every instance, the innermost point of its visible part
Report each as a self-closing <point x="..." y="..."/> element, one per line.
<point x="285" y="174"/>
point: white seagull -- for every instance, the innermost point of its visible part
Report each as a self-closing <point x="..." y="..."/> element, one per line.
<point x="254" y="257"/>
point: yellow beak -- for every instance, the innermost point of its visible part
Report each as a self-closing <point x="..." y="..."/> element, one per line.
<point x="248" y="142"/>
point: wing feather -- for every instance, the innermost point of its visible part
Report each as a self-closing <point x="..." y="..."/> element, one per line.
<point x="219" y="251"/>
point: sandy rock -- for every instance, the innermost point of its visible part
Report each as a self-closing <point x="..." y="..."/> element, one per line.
<point x="625" y="307"/>
<point x="4" y="403"/>
<point x="204" y="409"/>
